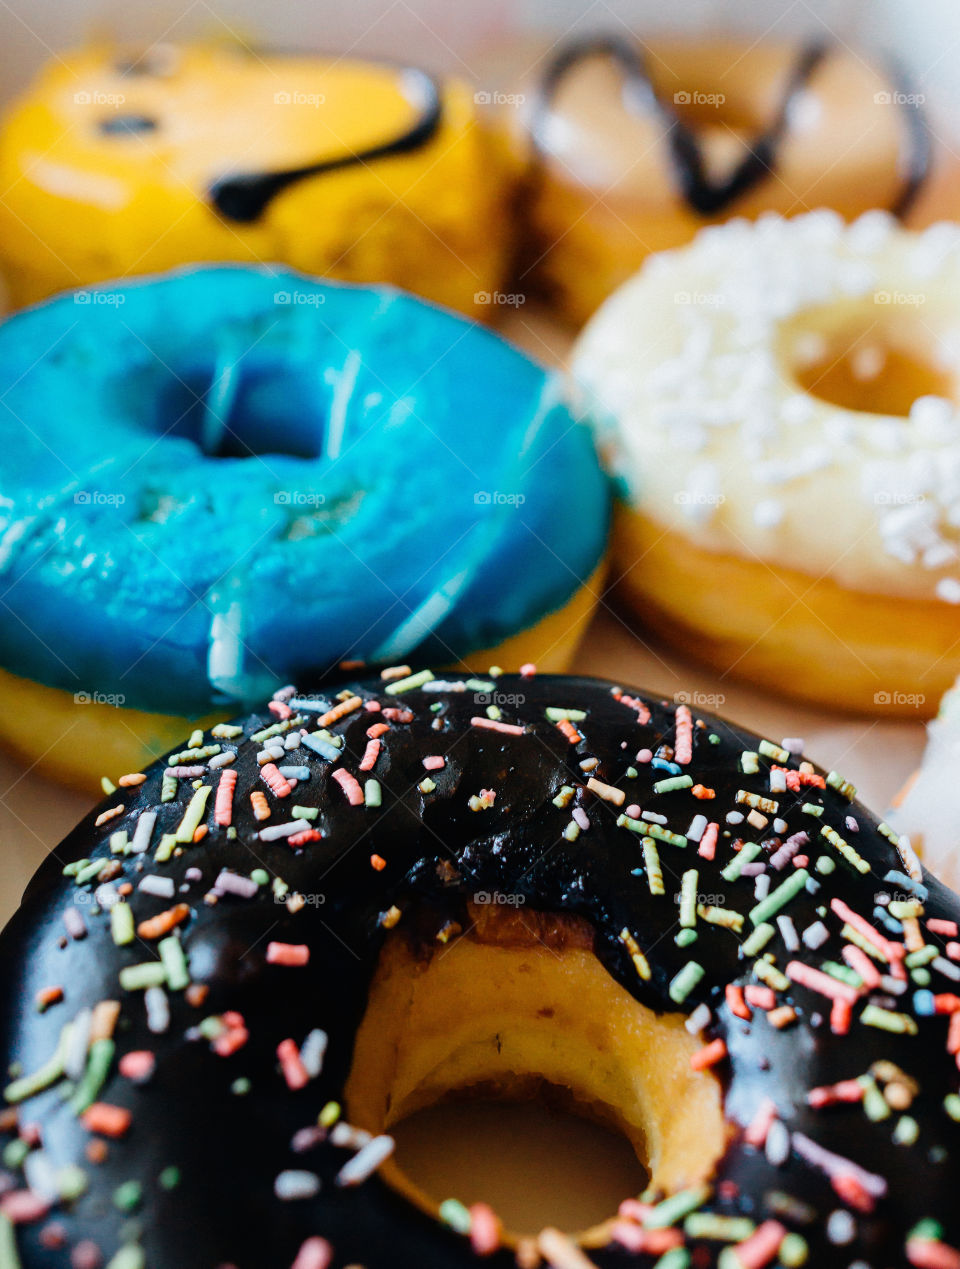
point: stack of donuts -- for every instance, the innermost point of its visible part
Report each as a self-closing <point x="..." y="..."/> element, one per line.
<point x="256" y="433"/>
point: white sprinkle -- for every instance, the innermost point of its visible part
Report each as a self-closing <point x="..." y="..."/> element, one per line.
<point x="788" y="932"/>
<point x="74" y="923"/>
<point x="312" y="1052"/>
<point x="222" y="759"/>
<point x="162" y="887"/>
<point x="793" y="744"/>
<point x="947" y="968"/>
<point x="294" y="1184"/>
<point x="142" y="833"/>
<point x="295" y="773"/>
<point x="734" y="817"/>
<point x="777" y="1145"/>
<point x="815" y="935"/>
<point x="698" y="1019"/>
<point x="697" y="828"/>
<point x="344" y="1134"/>
<point x="40" y="1175"/>
<point x="779" y="825"/>
<point x="652" y="817"/>
<point x="76" y="1058"/>
<point x="366" y="1161"/>
<point x="273" y="832"/>
<point x="158" y="1010"/>
<point x="768" y="513"/>
<point x="233" y="883"/>
<point x="778" y="782"/>
<point x="761" y="887"/>
<point x="841" y="1228"/>
<point x="852" y="824"/>
<point x="948" y="589"/>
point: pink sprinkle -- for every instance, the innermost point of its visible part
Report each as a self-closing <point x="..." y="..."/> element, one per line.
<point x="373" y="707"/>
<point x="293" y="954"/>
<point x="953" y="951"/>
<point x="632" y="1209"/>
<point x="831" y="1094"/>
<point x="841" y="1012"/>
<point x="937" y="925"/>
<point x="760" y="1124"/>
<point x="491" y="724"/>
<point x="484" y="1229"/>
<point x="633" y="810"/>
<point x="223" y="809"/>
<point x="86" y="1255"/>
<point x="643" y="714"/>
<point x="762" y="1245"/>
<point x="377" y="730"/>
<point x="74" y="923"/>
<point x="654" y="1242"/>
<point x="370" y="755"/>
<point x="279" y="709"/>
<point x="834" y="1165"/>
<point x="316" y="1253"/>
<point x="816" y="980"/>
<point x="708" y="842"/>
<point x="853" y="1192"/>
<point x="294" y="1072"/>
<point x="581" y="817"/>
<point x="528" y="670"/>
<point x="861" y="964"/>
<point x="645" y="755"/>
<point x="397" y="715"/>
<point x="892" y="951"/>
<point x="926" y="1253"/>
<point x="138" y="1065"/>
<point x="278" y="785"/>
<point x="434" y="763"/>
<point x="760" y="997"/>
<point x="308" y="835"/>
<point x="801" y="861"/>
<point x="24" y="1206"/>
<point x="350" y="786"/>
<point x="683" y="748"/>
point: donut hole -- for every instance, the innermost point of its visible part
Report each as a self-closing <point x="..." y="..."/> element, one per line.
<point x="254" y="406"/>
<point x="520" y="1012"/>
<point x="874" y="362"/>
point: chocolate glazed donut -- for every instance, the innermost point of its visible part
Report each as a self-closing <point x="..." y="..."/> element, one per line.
<point x="237" y="906"/>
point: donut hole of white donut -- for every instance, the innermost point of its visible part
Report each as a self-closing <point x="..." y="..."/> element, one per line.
<point x="870" y="357"/>
<point x="518" y="1008"/>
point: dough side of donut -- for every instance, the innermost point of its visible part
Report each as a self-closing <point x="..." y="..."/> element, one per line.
<point x="86" y="207"/>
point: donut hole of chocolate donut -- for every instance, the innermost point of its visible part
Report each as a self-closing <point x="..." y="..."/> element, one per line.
<point x="873" y="357"/>
<point x="519" y="1009"/>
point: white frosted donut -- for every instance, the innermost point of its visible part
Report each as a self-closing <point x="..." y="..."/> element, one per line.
<point x="776" y="399"/>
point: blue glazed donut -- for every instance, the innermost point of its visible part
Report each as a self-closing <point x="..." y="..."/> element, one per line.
<point x="219" y="479"/>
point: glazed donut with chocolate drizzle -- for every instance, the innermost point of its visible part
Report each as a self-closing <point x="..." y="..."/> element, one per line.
<point x="634" y="147"/>
<point x="230" y="981"/>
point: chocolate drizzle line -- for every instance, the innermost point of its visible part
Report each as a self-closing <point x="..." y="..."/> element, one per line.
<point x="245" y="197"/>
<point x="703" y="195"/>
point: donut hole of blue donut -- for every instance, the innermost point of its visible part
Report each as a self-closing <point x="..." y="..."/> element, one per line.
<point x="519" y="1008"/>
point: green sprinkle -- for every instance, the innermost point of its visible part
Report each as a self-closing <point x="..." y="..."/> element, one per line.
<point x="14" y="1153"/>
<point x="166" y="847"/>
<point x="193" y="814"/>
<point x="372" y="795"/>
<point x="874" y="1103"/>
<point x="631" y="773"/>
<point x="749" y="762"/>
<point x="770" y="975"/>
<point x="129" y="1257"/>
<point x="71" y="870"/>
<point x="922" y="956"/>
<point x="196" y="739"/>
<point x="558" y="715"/>
<point x="174" y="963"/>
<point x="562" y="800"/>
<point x="128" y="1196"/>
<point x="121" y="924"/>
<point x="304" y="812"/>
<point x="688" y="898"/>
<point x="675" y="1258"/>
<point x="825" y="865"/>
<point x="746" y="855"/>
<point x="226" y="731"/>
<point x="108" y="786"/>
<point x="119" y="841"/>
<point x="759" y="939"/>
<point x="168" y="788"/>
<point x="479" y="685"/>
<point x="770" y="750"/>
<point x="453" y="1213"/>
<point x="72" y="1182"/>
<point x="9" y="1256"/>
<point x="685" y="938"/>
<point x="904" y="909"/>
<point x="683" y="983"/>
<point x="713" y="738"/>
<point x="921" y="977"/>
<point x="260" y="876"/>
<point x="673" y="783"/>
<point x="88" y="872"/>
<point x="43" y="1076"/>
<point x="170" y="1177"/>
<point x="651" y="862"/>
<point x="190" y="757"/>
<point x="329" y="1115"/>
<point x="793" y="1251"/>
<point x="140" y="977"/>
<point x="99" y="1061"/>
<point x="906" y="1131"/>
<point x="724" y="1229"/>
<point x="888" y="1020"/>
<point x="399" y="686"/>
<point x="854" y="936"/>
<point x="676" y="1207"/>
<point x="842" y="973"/>
<point x="240" y="1086"/>
<point x="780" y="897"/>
<point x="810" y="808"/>
<point x="650" y="830"/>
<point x="844" y="848"/>
<point x="280" y="888"/>
<point x="928" y="1230"/>
<point x="275" y="729"/>
<point x="494" y="712"/>
<point x="843" y="787"/>
<point x="436" y="707"/>
<point x="951" y="1104"/>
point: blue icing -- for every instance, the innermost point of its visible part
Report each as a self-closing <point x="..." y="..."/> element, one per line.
<point x="417" y="486"/>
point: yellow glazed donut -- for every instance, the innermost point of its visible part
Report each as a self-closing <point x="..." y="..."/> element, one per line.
<point x="114" y="165"/>
<point x="777" y="400"/>
<point x="634" y="148"/>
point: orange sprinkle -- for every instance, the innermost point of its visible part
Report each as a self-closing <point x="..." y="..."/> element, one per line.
<point x="841" y="1012"/>
<point x="569" y="731"/>
<point x="760" y="997"/>
<point x="736" y="1003"/>
<point x="301" y="839"/>
<point x="702" y="792"/>
<point x="156" y="927"/>
<point x="782" y="1017"/>
<point x="200" y="832"/>
<point x="131" y="780"/>
<point x="125" y="888"/>
<point x="105" y="1016"/>
<point x="109" y="815"/>
<point x="912" y="934"/>
<point x="377" y="729"/>
<point x="261" y="808"/>
<point x="97" y="1151"/>
<point x="294" y="1072"/>
<point x="47" y="996"/>
<point x="709" y="1055"/>
<point x="196" y="994"/>
<point x="109" y="1121"/>
<point x="953" y="1034"/>
<point x="289" y="954"/>
<point x="339" y="711"/>
<point x="378" y="862"/>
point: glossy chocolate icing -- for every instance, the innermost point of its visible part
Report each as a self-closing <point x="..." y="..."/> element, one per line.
<point x="230" y="1147"/>
<point x="245" y="196"/>
<point x="710" y="197"/>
